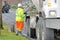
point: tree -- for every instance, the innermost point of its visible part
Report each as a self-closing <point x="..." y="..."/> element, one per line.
<point x="0" y="16"/>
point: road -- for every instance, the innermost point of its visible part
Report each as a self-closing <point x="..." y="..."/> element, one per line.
<point x="9" y="18"/>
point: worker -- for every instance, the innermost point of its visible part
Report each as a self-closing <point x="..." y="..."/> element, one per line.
<point x="19" y="19"/>
<point x="33" y="26"/>
<point x="40" y="26"/>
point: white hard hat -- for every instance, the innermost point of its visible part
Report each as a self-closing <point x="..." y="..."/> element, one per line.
<point x="19" y="5"/>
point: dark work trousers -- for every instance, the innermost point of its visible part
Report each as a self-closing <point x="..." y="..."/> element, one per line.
<point x="33" y="33"/>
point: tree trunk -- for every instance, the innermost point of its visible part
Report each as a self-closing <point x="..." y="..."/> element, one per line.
<point x="0" y="16"/>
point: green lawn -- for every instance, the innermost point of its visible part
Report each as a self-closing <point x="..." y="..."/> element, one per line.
<point x="5" y="35"/>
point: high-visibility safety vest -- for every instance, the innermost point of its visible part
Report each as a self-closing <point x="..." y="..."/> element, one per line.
<point x="20" y="15"/>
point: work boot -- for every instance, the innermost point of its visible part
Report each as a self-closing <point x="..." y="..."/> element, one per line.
<point x="16" y="34"/>
<point x="20" y="33"/>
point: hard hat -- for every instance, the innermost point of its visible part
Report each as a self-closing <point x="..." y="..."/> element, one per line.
<point x="19" y="5"/>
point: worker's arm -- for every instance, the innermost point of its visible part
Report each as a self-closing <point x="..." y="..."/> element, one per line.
<point x="22" y="13"/>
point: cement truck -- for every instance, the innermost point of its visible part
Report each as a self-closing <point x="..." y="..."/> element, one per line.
<point x="51" y="9"/>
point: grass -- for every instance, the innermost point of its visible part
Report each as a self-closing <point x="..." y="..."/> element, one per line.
<point x="5" y="35"/>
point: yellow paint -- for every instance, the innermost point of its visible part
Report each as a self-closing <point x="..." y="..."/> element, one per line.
<point x="49" y="4"/>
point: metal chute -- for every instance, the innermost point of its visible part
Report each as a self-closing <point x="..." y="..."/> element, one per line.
<point x="38" y="4"/>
